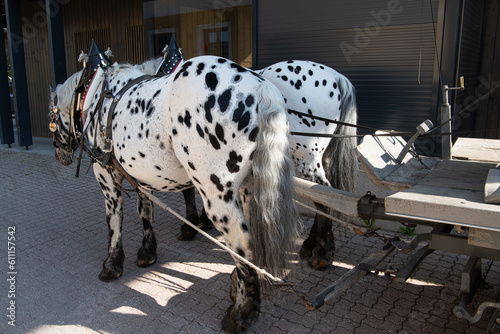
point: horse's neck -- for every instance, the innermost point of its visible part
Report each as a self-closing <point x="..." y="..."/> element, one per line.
<point x="116" y="78"/>
<point x="149" y="66"/>
<point x="64" y="94"/>
<point x="124" y="74"/>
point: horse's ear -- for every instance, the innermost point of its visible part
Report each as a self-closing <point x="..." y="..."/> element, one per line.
<point x="52" y="93"/>
<point x="109" y="53"/>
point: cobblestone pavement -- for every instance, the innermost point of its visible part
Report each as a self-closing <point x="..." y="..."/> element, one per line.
<point x="61" y="241"/>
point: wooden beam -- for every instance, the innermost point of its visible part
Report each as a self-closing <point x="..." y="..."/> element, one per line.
<point x="476" y="149"/>
<point x="342" y="201"/>
<point x="351" y="277"/>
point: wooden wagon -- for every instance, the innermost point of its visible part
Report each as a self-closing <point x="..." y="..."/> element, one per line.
<point x="450" y="195"/>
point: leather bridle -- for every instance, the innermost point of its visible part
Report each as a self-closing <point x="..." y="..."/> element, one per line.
<point x="62" y="136"/>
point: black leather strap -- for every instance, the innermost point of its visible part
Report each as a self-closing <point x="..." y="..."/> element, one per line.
<point x="108" y="143"/>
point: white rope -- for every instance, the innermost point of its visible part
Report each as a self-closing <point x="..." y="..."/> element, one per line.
<point x="217" y="242"/>
<point x="356" y="229"/>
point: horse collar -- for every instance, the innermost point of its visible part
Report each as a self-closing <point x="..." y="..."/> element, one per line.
<point x="90" y="90"/>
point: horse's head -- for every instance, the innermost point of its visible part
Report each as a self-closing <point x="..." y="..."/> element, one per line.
<point x="60" y="120"/>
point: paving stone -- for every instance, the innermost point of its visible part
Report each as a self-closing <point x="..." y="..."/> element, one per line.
<point x="365" y="329"/>
<point x="62" y="241"/>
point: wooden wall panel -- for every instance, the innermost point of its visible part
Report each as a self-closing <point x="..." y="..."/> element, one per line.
<point x="111" y="23"/>
<point x="186" y="25"/>
<point x="135" y="43"/>
<point x="244" y="37"/>
<point x="119" y="25"/>
<point x="36" y="50"/>
<point x="114" y="23"/>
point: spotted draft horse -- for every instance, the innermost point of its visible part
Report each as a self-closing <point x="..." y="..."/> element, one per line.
<point x="213" y="125"/>
<point x="313" y="92"/>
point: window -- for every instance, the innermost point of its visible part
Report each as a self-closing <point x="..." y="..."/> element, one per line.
<point x="157" y="39"/>
<point x="214" y="39"/>
<point x="201" y="27"/>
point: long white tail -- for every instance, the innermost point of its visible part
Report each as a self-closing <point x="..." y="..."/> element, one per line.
<point x="273" y="214"/>
<point x="339" y="159"/>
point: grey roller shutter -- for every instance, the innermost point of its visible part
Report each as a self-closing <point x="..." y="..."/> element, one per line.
<point x="381" y="46"/>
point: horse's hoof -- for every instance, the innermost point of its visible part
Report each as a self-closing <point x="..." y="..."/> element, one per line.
<point x="319" y="264"/>
<point x="305" y="253"/>
<point x="321" y="258"/>
<point x="204" y="222"/>
<point x="187" y="234"/>
<point x="205" y="226"/>
<point x="109" y="274"/>
<point x="235" y="323"/>
<point x="145" y="259"/>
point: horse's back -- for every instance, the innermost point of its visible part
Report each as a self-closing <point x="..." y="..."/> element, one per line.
<point x="307" y="86"/>
<point x="213" y="106"/>
<point x="313" y="89"/>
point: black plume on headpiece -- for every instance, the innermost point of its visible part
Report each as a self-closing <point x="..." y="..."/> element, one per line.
<point x="97" y="57"/>
<point x="173" y="56"/>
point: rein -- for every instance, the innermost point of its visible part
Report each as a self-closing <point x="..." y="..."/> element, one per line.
<point x="273" y="280"/>
<point x="333" y="135"/>
<point x="56" y="124"/>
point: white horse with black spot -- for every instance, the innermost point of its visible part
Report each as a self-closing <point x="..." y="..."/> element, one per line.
<point x="314" y="94"/>
<point x="213" y="125"/>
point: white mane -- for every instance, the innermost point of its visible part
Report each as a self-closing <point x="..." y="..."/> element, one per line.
<point x="64" y="91"/>
<point x="149" y="66"/>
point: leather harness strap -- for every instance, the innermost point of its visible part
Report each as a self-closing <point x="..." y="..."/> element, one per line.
<point x="108" y="135"/>
<point x="107" y="158"/>
<point x="116" y="165"/>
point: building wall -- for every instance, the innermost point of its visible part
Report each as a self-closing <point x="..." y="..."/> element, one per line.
<point x="188" y="25"/>
<point x="117" y="24"/>
<point x="386" y="48"/>
<point x="240" y="19"/>
<point x="465" y="107"/>
<point x="114" y="23"/>
<point x="487" y="89"/>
